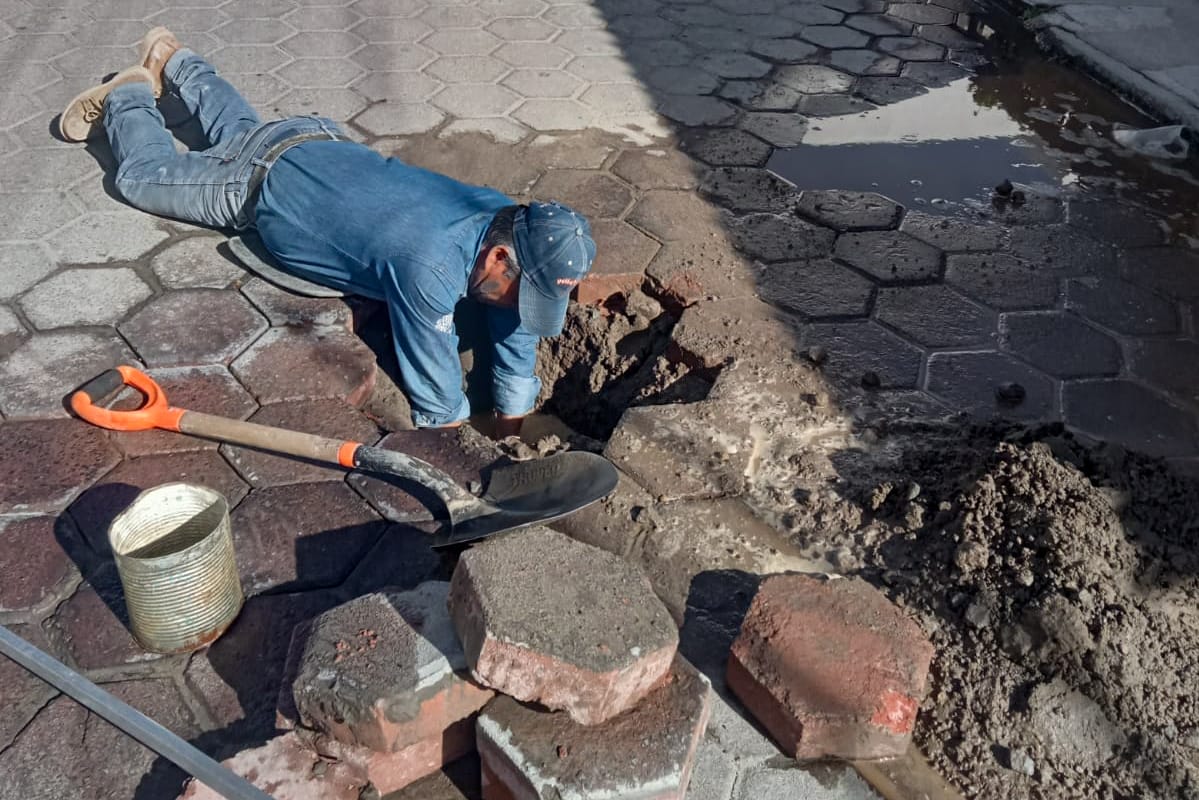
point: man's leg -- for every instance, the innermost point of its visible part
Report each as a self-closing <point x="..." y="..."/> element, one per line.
<point x="223" y="113"/>
<point x="152" y="176"/>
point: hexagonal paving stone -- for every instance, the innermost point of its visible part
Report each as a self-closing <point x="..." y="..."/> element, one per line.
<point x="879" y="25"/>
<point x="814" y="79"/>
<point x="1002" y="281"/>
<point x="888" y="90"/>
<point x="834" y="36"/>
<point x="388" y="57"/>
<point x="1062" y="250"/>
<point x="935" y="316"/>
<point x="621" y="249"/>
<point x="44" y="464"/>
<point x="476" y="99"/>
<point x="763" y="95"/>
<point x="40" y="372"/>
<point x="973" y="382"/>
<point x="1118" y="223"/>
<point x="922" y="13"/>
<point x="816" y="289"/>
<point x="909" y="48"/>
<point x="832" y="105"/>
<point x="302" y="536"/>
<point x="322" y="18"/>
<point x="1167" y="365"/>
<point x="671" y="214"/>
<point x="953" y="234"/>
<point x="397" y="87"/>
<point x="1131" y="415"/>
<point x="23" y="264"/>
<point x="195" y="263"/>
<point x="781" y="237"/>
<point x="856" y="348"/>
<point x="1061" y="344"/>
<point x="193" y="326"/>
<point x="331" y="418"/>
<point x="890" y="256"/>
<point x="726" y="147"/>
<point x="1121" y="306"/>
<point x="253" y="31"/>
<point x="1172" y="271"/>
<point x="683" y="80"/>
<point x="453" y="16"/>
<point x="779" y="129"/>
<point x="337" y="104"/>
<point x="210" y="389"/>
<point x="864" y="62"/>
<point x="462" y="42"/>
<point x="318" y="73"/>
<point x="748" y="189"/>
<point x="284" y="308"/>
<point x="618" y="99"/>
<point x="106" y="236"/>
<point x="784" y="51"/>
<point x="554" y="115"/>
<point x="39" y="545"/>
<point x="657" y="169"/>
<point x="248" y="58"/>
<point x="811" y="14"/>
<point x="399" y="119"/>
<point x="934" y="73"/>
<point x="518" y="29"/>
<point x="696" y="110"/>
<point x="850" y="211"/>
<point x="687" y="272"/>
<point x="391" y="29"/>
<point x="500" y="129"/>
<point x="84" y="297"/>
<point x="542" y="83"/>
<point x="287" y="364"/>
<point x="23" y="694"/>
<point x="321" y="44"/>
<point x="733" y="65"/>
<point x="93" y="625"/>
<point x="97" y="507"/>
<point x="12" y="332"/>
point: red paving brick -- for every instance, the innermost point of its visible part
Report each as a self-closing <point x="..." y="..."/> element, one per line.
<point x="284" y="308"/>
<point x="44" y="568"/>
<point x="302" y="536"/>
<point x="92" y="627"/>
<point x="442" y="449"/>
<point x="384" y="672"/>
<point x="646" y="752"/>
<point x="390" y="772"/>
<point x="573" y="627"/>
<point x="22" y="694"/>
<point x="219" y="324"/>
<point x="297" y="364"/>
<point x="211" y="389"/>
<point x="96" y="508"/>
<point x="830" y="667"/>
<point x="44" y="465"/>
<point x="289" y="769"/>
<point x="332" y="418"/>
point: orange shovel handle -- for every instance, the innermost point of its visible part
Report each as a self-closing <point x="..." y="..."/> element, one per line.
<point x="153" y="413"/>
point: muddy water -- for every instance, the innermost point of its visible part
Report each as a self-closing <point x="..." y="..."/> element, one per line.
<point x="1020" y="117"/>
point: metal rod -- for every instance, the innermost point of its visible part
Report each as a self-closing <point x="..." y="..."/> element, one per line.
<point x="128" y="719"/>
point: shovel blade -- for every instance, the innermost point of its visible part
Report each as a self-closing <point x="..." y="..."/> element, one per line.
<point x="533" y="492"/>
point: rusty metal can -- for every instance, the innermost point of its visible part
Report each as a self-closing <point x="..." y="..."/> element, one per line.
<point x="174" y="552"/>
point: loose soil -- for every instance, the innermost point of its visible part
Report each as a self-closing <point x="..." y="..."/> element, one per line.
<point x="1058" y="580"/>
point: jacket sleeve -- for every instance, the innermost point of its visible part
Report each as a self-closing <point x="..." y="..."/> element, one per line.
<point x="514" y="383"/>
<point x="421" y="307"/>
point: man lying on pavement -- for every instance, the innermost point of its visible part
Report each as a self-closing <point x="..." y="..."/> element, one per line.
<point x="336" y="213"/>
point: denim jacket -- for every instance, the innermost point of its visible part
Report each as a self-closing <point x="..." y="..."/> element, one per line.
<point x="339" y="214"/>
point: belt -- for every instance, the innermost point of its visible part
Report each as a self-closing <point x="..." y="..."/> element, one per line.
<point x="272" y="155"/>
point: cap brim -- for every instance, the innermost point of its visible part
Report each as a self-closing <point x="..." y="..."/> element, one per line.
<point x="539" y="313"/>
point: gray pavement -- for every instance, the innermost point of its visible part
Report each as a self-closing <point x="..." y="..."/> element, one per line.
<point x="1146" y="48"/>
<point x="654" y="118"/>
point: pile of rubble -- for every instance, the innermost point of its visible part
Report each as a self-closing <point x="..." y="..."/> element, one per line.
<point x="557" y="662"/>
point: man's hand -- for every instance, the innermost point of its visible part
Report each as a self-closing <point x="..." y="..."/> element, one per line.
<point x="506" y="425"/>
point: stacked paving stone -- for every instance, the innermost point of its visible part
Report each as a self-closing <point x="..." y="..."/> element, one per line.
<point x="393" y="686"/>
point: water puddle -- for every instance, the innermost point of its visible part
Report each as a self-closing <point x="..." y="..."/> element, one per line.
<point x="1020" y="117"/>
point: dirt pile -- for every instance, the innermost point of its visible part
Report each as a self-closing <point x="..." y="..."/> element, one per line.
<point x="1060" y="584"/>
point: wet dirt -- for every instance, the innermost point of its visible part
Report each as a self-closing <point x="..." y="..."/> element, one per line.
<point x="1019" y="117"/>
<point x="1057" y="579"/>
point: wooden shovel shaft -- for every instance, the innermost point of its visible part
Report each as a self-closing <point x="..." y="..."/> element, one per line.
<point x="264" y="437"/>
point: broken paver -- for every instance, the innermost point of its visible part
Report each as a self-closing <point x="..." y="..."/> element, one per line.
<point x="648" y="751"/>
<point x="830" y="667"/>
<point x="576" y="628"/>
<point x="289" y="769"/>
<point x="386" y="672"/>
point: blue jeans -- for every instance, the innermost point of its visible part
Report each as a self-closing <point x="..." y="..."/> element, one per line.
<point x="206" y="187"/>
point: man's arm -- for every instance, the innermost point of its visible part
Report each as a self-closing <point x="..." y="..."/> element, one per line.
<point x="514" y="382"/>
<point x="426" y="346"/>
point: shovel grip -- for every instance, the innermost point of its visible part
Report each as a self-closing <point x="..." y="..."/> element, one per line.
<point x="153" y="412"/>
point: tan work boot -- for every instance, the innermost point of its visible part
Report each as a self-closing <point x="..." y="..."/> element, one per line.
<point x="154" y="51"/>
<point x="80" y="120"/>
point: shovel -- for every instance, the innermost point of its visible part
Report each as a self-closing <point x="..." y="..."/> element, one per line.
<point x="517" y="495"/>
